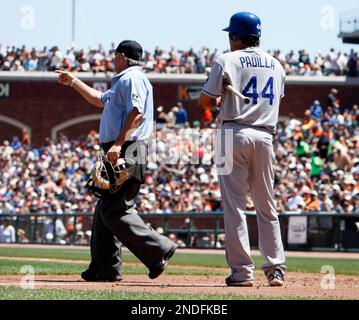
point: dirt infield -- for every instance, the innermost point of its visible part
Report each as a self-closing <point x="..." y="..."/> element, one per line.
<point x="312" y="285"/>
<point x="297" y="285"/>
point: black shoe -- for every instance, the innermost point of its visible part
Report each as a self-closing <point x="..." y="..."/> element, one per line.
<point x="161" y="265"/>
<point x="90" y="276"/>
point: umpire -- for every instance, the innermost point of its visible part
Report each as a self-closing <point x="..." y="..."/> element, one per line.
<point x="126" y="124"/>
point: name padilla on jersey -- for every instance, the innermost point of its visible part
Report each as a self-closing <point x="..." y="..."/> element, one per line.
<point x="257" y="62"/>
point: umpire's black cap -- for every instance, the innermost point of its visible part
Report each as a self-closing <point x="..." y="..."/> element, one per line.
<point x="131" y="49"/>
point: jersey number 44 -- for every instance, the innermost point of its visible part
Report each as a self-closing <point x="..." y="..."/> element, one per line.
<point x="251" y="90"/>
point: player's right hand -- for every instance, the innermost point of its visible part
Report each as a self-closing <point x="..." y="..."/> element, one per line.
<point x="65" y="77"/>
<point x="218" y="102"/>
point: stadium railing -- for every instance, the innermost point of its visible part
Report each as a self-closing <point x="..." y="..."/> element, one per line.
<point x="300" y="231"/>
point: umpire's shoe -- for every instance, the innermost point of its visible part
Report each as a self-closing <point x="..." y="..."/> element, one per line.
<point x="157" y="268"/>
<point x="90" y="276"/>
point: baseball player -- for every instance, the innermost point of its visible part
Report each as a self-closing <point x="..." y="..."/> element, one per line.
<point x="126" y="124"/>
<point x="250" y="118"/>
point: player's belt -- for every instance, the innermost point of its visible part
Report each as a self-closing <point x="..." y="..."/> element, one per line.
<point x="254" y="127"/>
<point x="229" y="121"/>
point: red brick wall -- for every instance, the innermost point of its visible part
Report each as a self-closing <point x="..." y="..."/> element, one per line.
<point x="43" y="104"/>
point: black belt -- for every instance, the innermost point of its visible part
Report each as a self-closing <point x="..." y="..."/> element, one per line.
<point x="107" y="145"/>
<point x="229" y="121"/>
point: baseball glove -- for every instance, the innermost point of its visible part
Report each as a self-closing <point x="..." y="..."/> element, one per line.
<point x="107" y="177"/>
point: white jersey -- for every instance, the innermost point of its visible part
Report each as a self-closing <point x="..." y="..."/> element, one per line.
<point x="255" y="74"/>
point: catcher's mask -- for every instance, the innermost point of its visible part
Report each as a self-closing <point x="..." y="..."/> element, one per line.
<point x="107" y="177"/>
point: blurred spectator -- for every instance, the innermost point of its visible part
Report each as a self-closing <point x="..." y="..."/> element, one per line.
<point x="207" y="118"/>
<point x="302" y="148"/>
<point x="88" y="236"/>
<point x="4" y="207"/>
<point x="355" y="202"/>
<point x="294" y="200"/>
<point x="314" y="154"/>
<point x="172" y="117"/>
<point x="82" y="238"/>
<point x="162" y="119"/>
<point x="313" y="204"/>
<point x="173" y="61"/>
<point x="190" y="239"/>
<point x="316" y="110"/>
<point x="347" y="206"/>
<point x="308" y="122"/>
<point x="353" y="64"/>
<point x="54" y="231"/>
<point x="174" y="239"/>
<point x="215" y="244"/>
<point x="326" y="204"/>
<point x="316" y="165"/>
<point x="337" y="208"/>
<point x="56" y="59"/>
<point x="7" y="231"/>
<point x="181" y="115"/>
<point x="341" y="158"/>
<point x="332" y="100"/>
<point x="21" y="235"/>
<point x="209" y="241"/>
<point x="280" y="206"/>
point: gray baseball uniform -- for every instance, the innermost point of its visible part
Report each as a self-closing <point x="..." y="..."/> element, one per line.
<point x="260" y="77"/>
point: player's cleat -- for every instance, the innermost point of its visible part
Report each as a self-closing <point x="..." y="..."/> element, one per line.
<point x="275" y="278"/>
<point x="230" y="282"/>
<point x="90" y="276"/>
<point x="157" y="268"/>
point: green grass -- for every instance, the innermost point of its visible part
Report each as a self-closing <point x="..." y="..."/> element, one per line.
<point x="295" y="264"/>
<point x="315" y="265"/>
<point x="13" y="267"/>
<point x="51" y="253"/>
<point x="184" y="259"/>
<point x="15" y="293"/>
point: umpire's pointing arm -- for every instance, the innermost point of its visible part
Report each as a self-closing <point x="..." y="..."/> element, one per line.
<point x="92" y="95"/>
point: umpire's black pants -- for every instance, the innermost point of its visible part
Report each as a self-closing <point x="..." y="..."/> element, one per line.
<point x="116" y="221"/>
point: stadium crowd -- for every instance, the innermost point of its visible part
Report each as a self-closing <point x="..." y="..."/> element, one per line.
<point x="97" y="59"/>
<point x="317" y="168"/>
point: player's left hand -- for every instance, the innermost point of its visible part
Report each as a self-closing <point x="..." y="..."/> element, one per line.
<point x="113" y="154"/>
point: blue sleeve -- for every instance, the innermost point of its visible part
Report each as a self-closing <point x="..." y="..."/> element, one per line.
<point x="135" y="95"/>
<point x="104" y="96"/>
